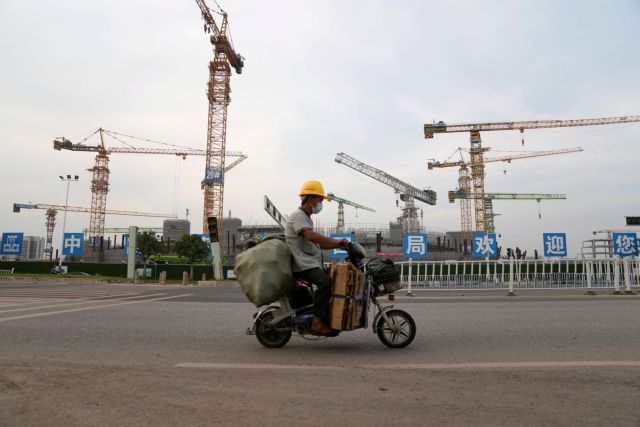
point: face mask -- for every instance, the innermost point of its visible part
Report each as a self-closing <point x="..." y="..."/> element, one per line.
<point x="317" y="208"/>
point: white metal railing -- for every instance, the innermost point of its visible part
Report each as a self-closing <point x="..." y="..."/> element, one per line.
<point x="522" y="274"/>
<point x="6" y="271"/>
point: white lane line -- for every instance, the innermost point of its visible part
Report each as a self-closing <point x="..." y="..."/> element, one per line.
<point x="73" y="310"/>
<point x="77" y="301"/>
<point x="44" y="296"/>
<point x="420" y="366"/>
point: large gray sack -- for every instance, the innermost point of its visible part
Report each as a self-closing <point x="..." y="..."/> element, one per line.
<point x="264" y="272"/>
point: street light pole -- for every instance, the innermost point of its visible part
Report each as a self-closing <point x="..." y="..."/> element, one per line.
<point x="68" y="179"/>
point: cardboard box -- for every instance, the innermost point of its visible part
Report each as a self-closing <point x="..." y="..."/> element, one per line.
<point x="347" y="301"/>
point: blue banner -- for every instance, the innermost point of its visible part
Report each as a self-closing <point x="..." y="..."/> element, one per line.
<point x="625" y="244"/>
<point x="214" y="176"/>
<point x="73" y="244"/>
<point x="12" y="244"/>
<point x="484" y="245"/>
<point x="126" y="245"/>
<point x="555" y="244"/>
<point x="415" y="245"/>
<point x="339" y="253"/>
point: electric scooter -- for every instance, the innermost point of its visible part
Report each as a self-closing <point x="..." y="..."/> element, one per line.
<point x="274" y="325"/>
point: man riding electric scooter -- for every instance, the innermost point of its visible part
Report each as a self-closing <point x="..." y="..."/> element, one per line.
<point x="306" y="245"/>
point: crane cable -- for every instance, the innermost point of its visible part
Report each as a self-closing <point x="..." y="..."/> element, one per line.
<point x="110" y="132"/>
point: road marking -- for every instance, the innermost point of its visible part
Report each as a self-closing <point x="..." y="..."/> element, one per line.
<point x="72" y="310"/>
<point x="77" y="301"/>
<point x="420" y="366"/>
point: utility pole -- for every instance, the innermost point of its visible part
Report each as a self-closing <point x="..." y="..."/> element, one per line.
<point x="68" y="179"/>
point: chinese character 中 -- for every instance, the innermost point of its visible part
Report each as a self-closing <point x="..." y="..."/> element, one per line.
<point x="72" y="243"/>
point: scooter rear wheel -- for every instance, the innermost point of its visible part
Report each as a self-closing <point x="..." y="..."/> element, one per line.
<point x="401" y="334"/>
<point x="268" y="336"/>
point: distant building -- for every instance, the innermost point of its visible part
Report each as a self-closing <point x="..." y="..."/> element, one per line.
<point x="33" y="248"/>
<point x="174" y="229"/>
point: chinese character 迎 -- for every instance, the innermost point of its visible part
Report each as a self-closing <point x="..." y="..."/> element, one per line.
<point x="555" y="244"/>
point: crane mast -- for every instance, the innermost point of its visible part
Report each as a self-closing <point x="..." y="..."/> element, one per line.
<point x="341" y="203"/>
<point x="408" y="193"/>
<point x="477" y="151"/>
<point x="218" y="91"/>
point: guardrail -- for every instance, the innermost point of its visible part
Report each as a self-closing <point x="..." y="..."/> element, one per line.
<point x="521" y="274"/>
<point x="6" y="271"/>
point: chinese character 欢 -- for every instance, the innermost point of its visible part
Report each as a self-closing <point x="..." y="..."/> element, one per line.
<point x="484" y="245"/>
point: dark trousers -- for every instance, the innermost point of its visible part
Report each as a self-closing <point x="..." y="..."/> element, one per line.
<point x="322" y="280"/>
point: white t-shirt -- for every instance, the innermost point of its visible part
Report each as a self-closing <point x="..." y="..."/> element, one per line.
<point x="306" y="254"/>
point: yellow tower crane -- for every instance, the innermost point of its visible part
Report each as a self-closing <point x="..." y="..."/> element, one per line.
<point x="218" y="90"/>
<point x="477" y="152"/>
<point x="100" y="170"/>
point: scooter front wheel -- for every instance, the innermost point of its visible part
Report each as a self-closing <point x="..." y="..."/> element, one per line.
<point x="271" y="336"/>
<point x="399" y="331"/>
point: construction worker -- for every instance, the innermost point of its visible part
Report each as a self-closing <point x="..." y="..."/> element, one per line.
<point x="305" y="245"/>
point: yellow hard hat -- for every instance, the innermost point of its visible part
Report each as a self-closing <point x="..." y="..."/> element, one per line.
<point x="313" y="188"/>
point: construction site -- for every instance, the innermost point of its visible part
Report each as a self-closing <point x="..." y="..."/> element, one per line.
<point x="476" y="202"/>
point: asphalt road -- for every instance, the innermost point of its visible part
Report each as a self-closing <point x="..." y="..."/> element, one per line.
<point x="167" y="355"/>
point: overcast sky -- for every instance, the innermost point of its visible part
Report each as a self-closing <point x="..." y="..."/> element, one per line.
<point x="321" y="77"/>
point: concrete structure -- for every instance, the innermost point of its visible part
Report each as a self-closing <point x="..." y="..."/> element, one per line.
<point x="174" y="229"/>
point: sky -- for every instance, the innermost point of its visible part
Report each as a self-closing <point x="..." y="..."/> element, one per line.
<point x="322" y="77"/>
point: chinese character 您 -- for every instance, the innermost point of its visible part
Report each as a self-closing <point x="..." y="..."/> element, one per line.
<point x="484" y="245"/>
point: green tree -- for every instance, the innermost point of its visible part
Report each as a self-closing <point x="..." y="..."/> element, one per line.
<point x="147" y="245"/>
<point x="193" y="248"/>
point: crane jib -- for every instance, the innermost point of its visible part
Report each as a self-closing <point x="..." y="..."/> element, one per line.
<point x="442" y="127"/>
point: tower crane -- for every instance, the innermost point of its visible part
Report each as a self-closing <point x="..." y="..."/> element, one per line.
<point x="100" y="170"/>
<point x="464" y="179"/>
<point x="218" y="90"/>
<point x="408" y="193"/>
<point x="490" y="197"/>
<point x="52" y="211"/>
<point x="341" y="203"/>
<point x="477" y="152"/>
